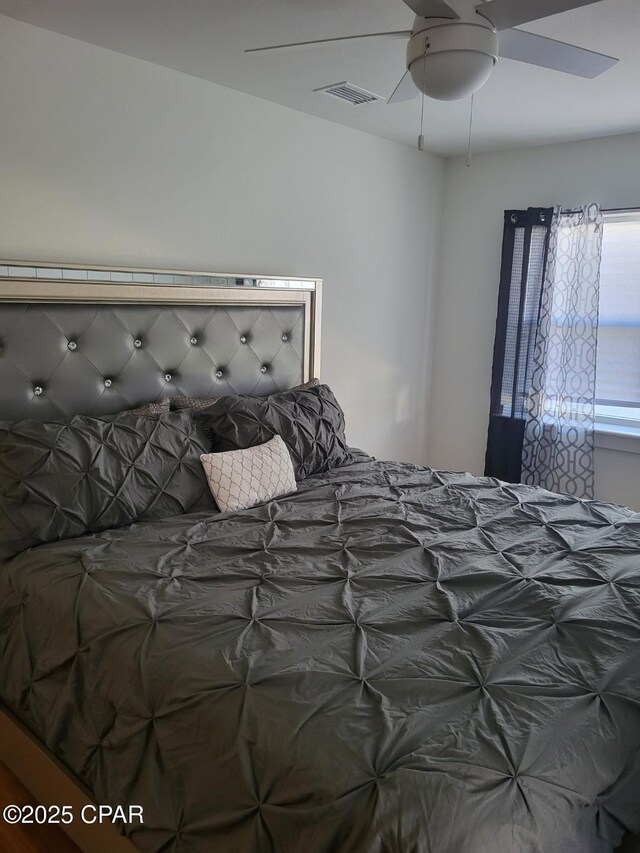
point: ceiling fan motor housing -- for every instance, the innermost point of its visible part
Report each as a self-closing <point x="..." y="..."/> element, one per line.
<point x="449" y="60"/>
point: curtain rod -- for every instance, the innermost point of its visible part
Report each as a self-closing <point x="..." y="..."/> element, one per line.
<point x="604" y="210"/>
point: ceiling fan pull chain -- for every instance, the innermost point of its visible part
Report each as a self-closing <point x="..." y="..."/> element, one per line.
<point x="424" y="78"/>
<point x="468" y="160"/>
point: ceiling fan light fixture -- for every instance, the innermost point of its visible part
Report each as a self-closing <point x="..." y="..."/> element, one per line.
<point x="451" y="76"/>
<point x="449" y="61"/>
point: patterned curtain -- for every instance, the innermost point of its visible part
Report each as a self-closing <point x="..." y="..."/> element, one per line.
<point x="557" y="451"/>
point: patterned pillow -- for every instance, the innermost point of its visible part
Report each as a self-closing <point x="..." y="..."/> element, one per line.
<point x="311" y="424"/>
<point x="199" y="403"/>
<point x="66" y="478"/>
<point x="240" y="479"/>
<point x="178" y="404"/>
<point x="158" y="407"/>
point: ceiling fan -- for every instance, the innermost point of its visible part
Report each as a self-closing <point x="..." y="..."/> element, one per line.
<point x="451" y="53"/>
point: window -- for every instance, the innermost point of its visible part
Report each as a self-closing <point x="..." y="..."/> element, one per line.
<point x="618" y="367"/>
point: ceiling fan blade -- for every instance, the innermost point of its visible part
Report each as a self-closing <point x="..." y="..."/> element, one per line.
<point x="404" y="91"/>
<point x="548" y="53"/>
<point x="505" y="14"/>
<point x="325" y="42"/>
<point x="431" y="8"/>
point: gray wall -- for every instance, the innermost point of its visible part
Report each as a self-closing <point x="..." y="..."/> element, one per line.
<point x="109" y="159"/>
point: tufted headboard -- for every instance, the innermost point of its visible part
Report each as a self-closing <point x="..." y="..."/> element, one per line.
<point x="80" y="340"/>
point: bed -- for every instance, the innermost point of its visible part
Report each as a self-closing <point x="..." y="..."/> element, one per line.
<point x="389" y="659"/>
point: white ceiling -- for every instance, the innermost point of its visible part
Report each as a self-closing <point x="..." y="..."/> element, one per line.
<point x="520" y="105"/>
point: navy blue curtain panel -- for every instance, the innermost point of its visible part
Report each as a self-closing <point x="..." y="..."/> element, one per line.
<point x="525" y="245"/>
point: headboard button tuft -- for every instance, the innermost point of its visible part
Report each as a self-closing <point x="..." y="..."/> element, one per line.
<point x="102" y="334"/>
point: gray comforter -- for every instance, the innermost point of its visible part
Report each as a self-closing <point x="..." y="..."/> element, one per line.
<point x="392" y="659"/>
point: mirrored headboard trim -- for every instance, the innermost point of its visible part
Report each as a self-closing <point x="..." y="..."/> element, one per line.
<point x="149" y="275"/>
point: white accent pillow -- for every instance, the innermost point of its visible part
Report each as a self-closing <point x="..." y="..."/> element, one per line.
<point x="239" y="479"/>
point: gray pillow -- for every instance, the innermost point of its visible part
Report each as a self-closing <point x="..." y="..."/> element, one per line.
<point x="66" y="478"/>
<point x="310" y="422"/>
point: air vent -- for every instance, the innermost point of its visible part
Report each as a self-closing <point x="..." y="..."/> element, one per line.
<point x="349" y="93"/>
